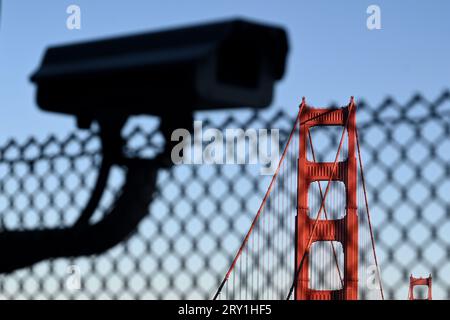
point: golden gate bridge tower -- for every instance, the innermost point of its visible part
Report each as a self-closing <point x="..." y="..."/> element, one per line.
<point x="344" y="230"/>
<point x="276" y="257"/>
<point x="413" y="281"/>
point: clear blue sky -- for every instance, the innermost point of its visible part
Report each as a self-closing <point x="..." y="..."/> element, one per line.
<point x="333" y="55"/>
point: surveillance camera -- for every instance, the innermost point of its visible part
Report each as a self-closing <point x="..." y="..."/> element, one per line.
<point x="227" y="64"/>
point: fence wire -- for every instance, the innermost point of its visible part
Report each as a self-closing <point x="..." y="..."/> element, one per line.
<point x="200" y="214"/>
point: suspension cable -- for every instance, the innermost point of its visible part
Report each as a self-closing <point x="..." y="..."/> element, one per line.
<point x="325" y="211"/>
<point x="368" y="214"/>
<point x="274" y="177"/>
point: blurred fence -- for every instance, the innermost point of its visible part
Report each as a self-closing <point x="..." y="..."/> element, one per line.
<point x="201" y="212"/>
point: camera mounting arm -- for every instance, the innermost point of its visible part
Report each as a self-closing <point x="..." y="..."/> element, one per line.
<point x="23" y="248"/>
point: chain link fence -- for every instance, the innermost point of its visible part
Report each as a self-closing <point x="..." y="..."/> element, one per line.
<point x="200" y="214"/>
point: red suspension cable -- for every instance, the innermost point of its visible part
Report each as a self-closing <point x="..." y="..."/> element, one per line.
<point x="368" y="214"/>
<point x="244" y="242"/>
<point x="325" y="211"/>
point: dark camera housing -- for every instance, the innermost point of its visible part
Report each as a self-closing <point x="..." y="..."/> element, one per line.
<point x="227" y="64"/>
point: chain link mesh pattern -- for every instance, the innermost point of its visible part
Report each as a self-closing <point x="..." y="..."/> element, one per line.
<point x="199" y="216"/>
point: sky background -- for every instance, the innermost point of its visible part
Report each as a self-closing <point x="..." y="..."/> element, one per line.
<point x="332" y="53"/>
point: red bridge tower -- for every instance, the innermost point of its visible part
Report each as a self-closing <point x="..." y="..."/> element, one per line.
<point x="419" y="282"/>
<point x="311" y="229"/>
